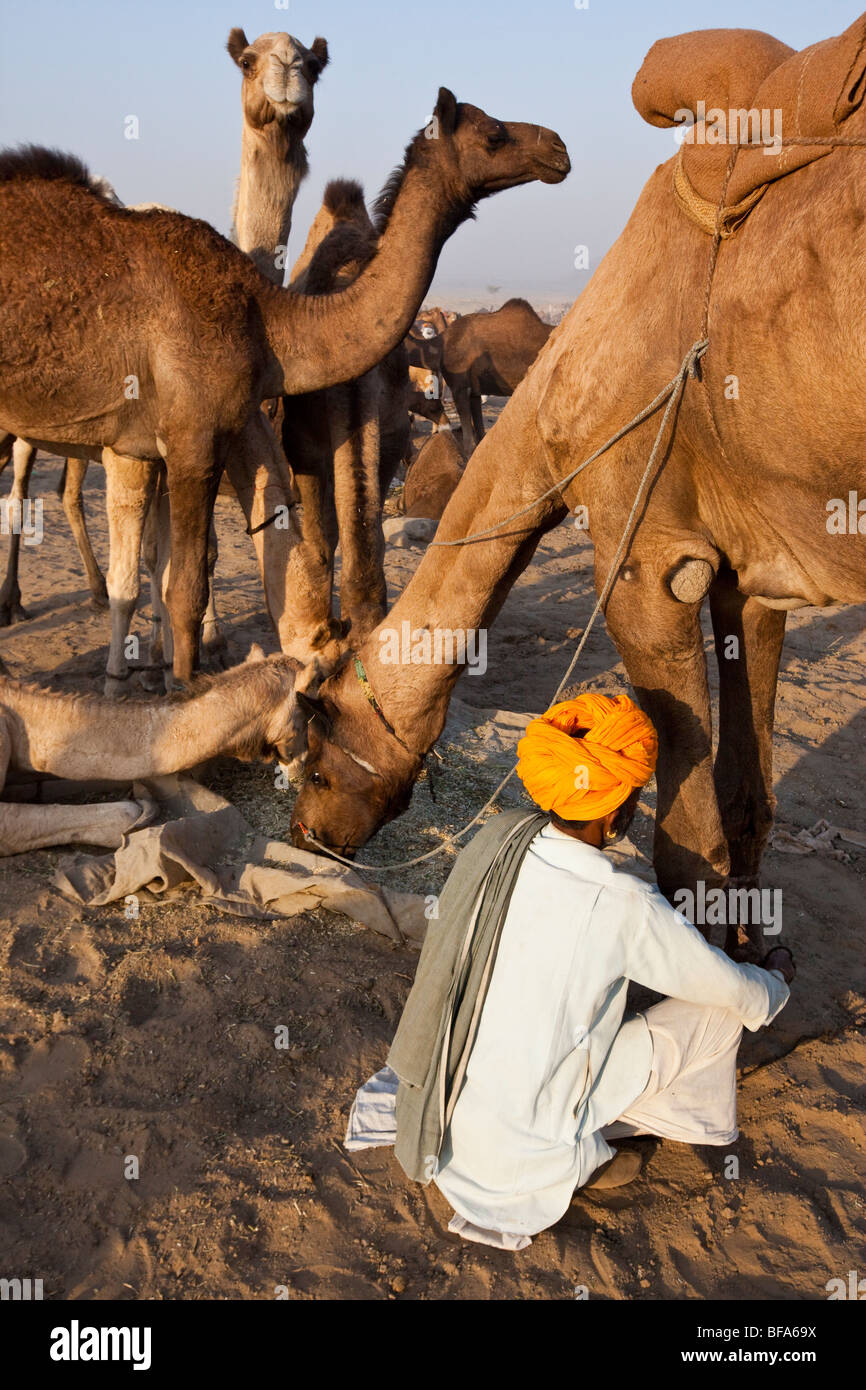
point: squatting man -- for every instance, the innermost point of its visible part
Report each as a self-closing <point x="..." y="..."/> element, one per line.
<point x="514" y="1065"/>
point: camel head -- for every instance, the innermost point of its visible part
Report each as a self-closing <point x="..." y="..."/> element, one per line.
<point x="279" y="76"/>
<point x="480" y="155"/>
<point x="357" y="775"/>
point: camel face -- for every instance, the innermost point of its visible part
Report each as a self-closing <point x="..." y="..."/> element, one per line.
<point x="279" y="77"/>
<point x="493" y="154"/>
<point x="353" y="783"/>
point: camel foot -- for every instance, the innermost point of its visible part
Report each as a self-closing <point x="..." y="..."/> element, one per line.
<point x="116" y="686"/>
<point x="11" y="612"/>
<point x="152" y="680"/>
<point x="99" y="597"/>
<point x="214" y="650"/>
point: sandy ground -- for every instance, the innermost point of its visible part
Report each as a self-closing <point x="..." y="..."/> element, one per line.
<point x="155" y="1037"/>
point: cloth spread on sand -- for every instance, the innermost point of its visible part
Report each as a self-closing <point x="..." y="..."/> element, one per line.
<point x="553" y="1061"/>
<point x="206" y="844"/>
<point x="584" y="757"/>
<point x="742" y="78"/>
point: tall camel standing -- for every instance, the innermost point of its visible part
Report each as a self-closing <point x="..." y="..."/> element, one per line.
<point x="277" y="100"/>
<point x="489" y="354"/>
<point x="279" y="75"/>
<point x="746" y="504"/>
<point x="206" y="336"/>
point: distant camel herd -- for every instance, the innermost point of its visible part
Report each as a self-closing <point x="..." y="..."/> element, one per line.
<point x="156" y="348"/>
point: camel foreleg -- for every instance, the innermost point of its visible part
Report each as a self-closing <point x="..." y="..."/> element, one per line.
<point x="73" y="506"/>
<point x="23" y="458"/>
<point x="354" y="423"/>
<point x="193" y="474"/>
<point x="661" y="644"/>
<point x="129" y="485"/>
<point x="295" y="566"/>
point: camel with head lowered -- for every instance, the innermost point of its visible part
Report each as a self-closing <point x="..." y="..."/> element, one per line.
<point x="170" y="303"/>
<point x="742" y="509"/>
<point x="489" y="354"/>
<point x="249" y="712"/>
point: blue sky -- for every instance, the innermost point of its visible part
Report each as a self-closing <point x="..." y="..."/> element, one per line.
<point x="70" y="74"/>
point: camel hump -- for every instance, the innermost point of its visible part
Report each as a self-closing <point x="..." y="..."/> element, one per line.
<point x="721" y="68"/>
<point x="517" y="303"/>
<point x="38" y="162"/>
<point x="344" y="199"/>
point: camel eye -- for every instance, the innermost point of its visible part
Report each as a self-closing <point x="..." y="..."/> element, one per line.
<point x="316" y="779"/>
<point x="246" y="64"/>
<point x="497" y="139"/>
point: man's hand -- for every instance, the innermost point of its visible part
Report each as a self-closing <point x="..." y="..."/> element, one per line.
<point x="780" y="959"/>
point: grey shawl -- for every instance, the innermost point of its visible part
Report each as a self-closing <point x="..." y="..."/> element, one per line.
<point x="433" y="1041"/>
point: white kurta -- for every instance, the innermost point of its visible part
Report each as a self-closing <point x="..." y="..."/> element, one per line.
<point x="553" y="1061"/>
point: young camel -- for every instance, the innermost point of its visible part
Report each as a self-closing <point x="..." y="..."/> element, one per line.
<point x="489" y="354"/>
<point x="207" y="338"/>
<point x="739" y="509"/>
<point x="249" y="712"/>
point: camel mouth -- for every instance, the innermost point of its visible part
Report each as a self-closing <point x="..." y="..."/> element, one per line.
<point x="555" y="169"/>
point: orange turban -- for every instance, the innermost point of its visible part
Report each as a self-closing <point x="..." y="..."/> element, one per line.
<point x="584" y="778"/>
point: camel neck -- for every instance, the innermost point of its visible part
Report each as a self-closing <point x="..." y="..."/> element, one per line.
<point x="273" y="165"/>
<point x="456" y="592"/>
<point x="321" y="340"/>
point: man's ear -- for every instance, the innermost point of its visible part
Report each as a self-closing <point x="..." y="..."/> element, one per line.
<point x="446" y="111"/>
<point x="315" y="713"/>
<point x="237" y="42"/>
<point x="319" y="51"/>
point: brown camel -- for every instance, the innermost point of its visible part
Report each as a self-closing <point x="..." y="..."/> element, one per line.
<point x="175" y="308"/>
<point x="279" y="75"/>
<point x="345" y="444"/>
<point x="249" y="713"/>
<point x="433" y="476"/>
<point x="489" y="354"/>
<point x="749" y="503"/>
<point x="425" y="398"/>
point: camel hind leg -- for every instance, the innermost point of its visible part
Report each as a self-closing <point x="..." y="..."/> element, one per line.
<point x="477" y="411"/>
<point x="23" y="458"/>
<point x="749" y="638"/>
<point x="73" y="505"/>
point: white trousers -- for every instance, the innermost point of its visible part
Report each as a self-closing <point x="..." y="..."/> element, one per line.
<point x="691" y="1095"/>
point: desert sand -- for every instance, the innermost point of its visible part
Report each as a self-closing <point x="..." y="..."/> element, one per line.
<point x="154" y="1037"/>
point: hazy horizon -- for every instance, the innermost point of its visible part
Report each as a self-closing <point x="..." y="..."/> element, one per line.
<point x="551" y="63"/>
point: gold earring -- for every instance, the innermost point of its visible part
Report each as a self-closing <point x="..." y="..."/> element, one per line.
<point x="611" y="835"/>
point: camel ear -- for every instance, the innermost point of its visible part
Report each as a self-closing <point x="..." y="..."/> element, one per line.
<point x="255" y="653"/>
<point x="237" y="43"/>
<point x="319" y="51"/>
<point x="446" y="111"/>
<point x="314" y="712"/>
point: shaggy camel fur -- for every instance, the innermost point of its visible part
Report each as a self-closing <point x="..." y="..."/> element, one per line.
<point x="279" y="75"/>
<point x="771" y="432"/>
<point x="206" y="338"/>
<point x="249" y="712"/>
<point x="489" y="354"/>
